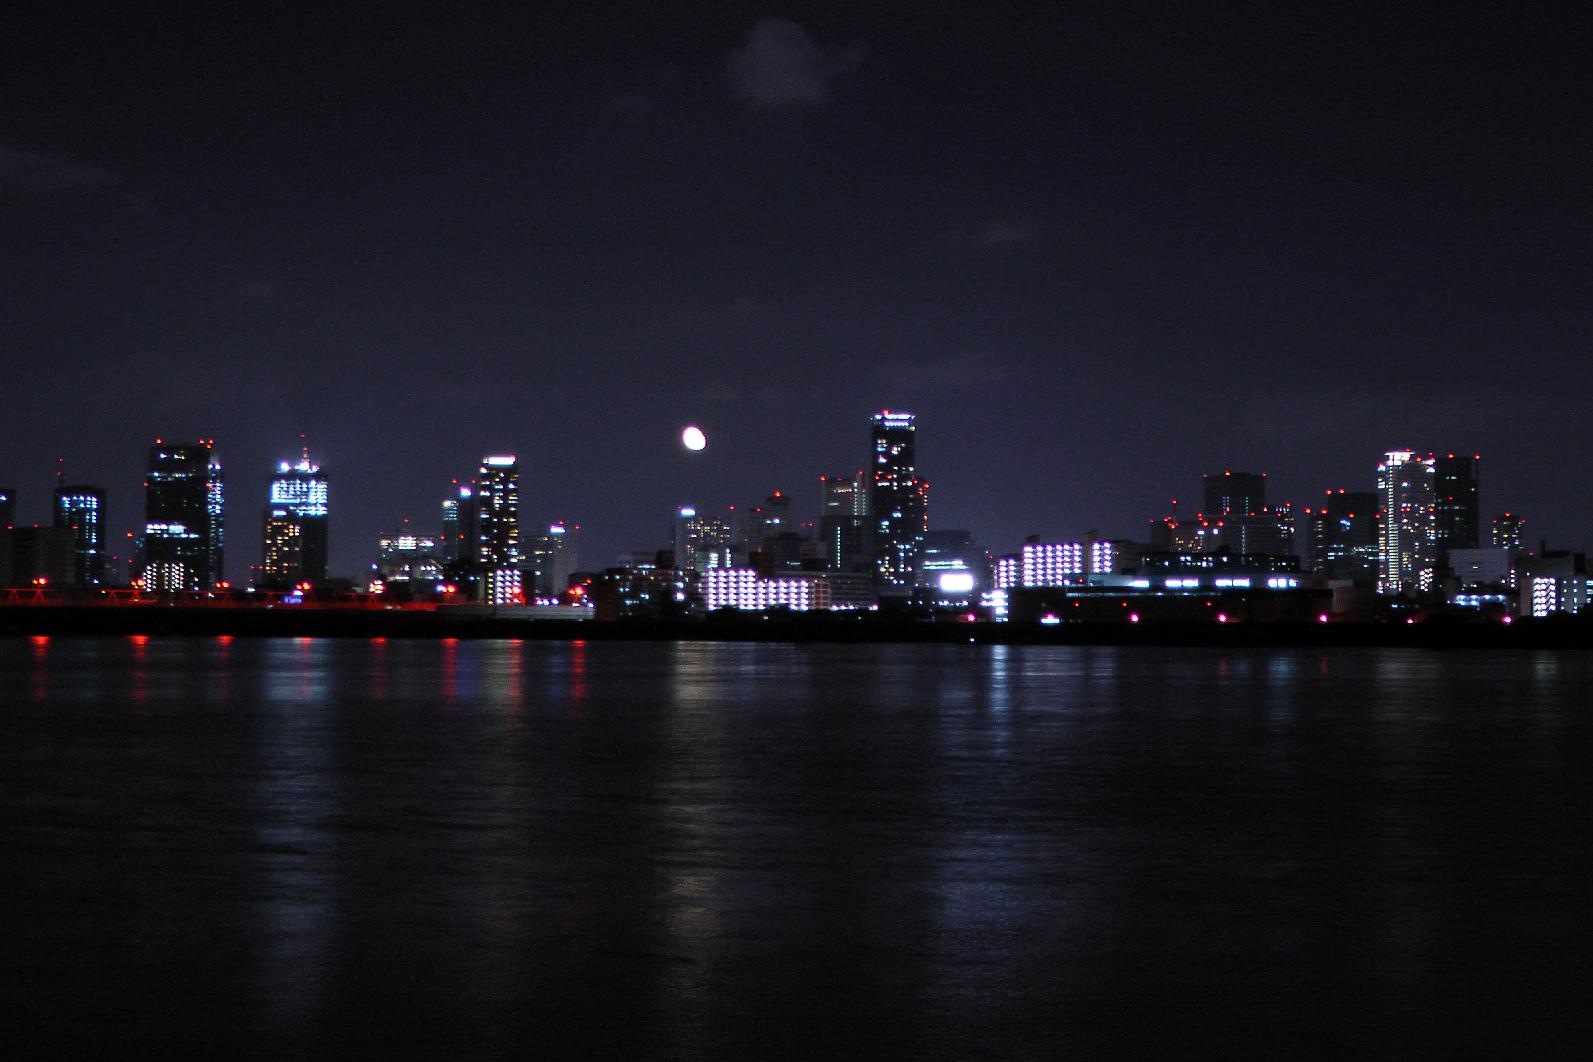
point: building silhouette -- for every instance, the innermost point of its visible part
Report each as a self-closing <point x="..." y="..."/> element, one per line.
<point x="1229" y="493"/>
<point x="1457" y="523"/>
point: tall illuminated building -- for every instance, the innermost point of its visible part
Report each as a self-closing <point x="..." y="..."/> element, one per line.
<point x="183" y="517"/>
<point x="1507" y="529"/>
<point x="80" y="513"/>
<point x="897" y="503"/>
<point x="497" y="547"/>
<point x="295" y="524"/>
<point x="554" y="555"/>
<point x="843" y="519"/>
<point x="700" y="542"/>
<point x="1407" y="534"/>
<point x="1457" y="523"/>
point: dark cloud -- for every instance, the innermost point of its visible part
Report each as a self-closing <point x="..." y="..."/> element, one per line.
<point x="22" y="169"/>
<point x="779" y="65"/>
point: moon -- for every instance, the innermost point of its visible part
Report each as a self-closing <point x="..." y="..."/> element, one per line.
<point x="693" y="438"/>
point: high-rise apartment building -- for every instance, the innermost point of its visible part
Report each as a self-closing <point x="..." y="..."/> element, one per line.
<point x="80" y="513"/>
<point x="843" y="519"/>
<point x="700" y="542"/>
<point x="497" y="548"/>
<point x="183" y="517"/>
<point x="897" y="503"/>
<point x="295" y="524"/>
<point x="1457" y="523"/>
<point x="554" y="555"/>
<point x="1407" y="534"/>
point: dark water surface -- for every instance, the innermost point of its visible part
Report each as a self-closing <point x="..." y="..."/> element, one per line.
<point x="366" y="849"/>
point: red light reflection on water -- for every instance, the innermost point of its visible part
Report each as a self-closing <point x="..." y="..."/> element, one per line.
<point x="450" y="670"/>
<point x="577" y="677"/>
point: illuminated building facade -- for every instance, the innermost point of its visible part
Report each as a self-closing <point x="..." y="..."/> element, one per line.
<point x="497" y="548"/>
<point x="1507" y="528"/>
<point x="843" y="521"/>
<point x="701" y="542"/>
<point x="408" y="556"/>
<point x="1407" y="532"/>
<point x="746" y="590"/>
<point x="1457" y="523"/>
<point x="80" y="513"/>
<point x="897" y="503"/>
<point x="183" y="518"/>
<point x="1557" y="582"/>
<point x="295" y="533"/>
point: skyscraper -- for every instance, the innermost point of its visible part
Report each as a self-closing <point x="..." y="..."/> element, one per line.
<point x="1456" y="517"/>
<point x="1341" y="535"/>
<point x="183" y="509"/>
<point x="555" y="554"/>
<point x="1507" y="530"/>
<point x="1230" y="493"/>
<point x="843" y="516"/>
<point x="497" y="547"/>
<point x="80" y="512"/>
<point x="898" y="513"/>
<point x="1407" y="535"/>
<point x="295" y="532"/>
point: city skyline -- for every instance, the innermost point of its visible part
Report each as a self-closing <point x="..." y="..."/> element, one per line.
<point x="1235" y="513"/>
<point x="1080" y="248"/>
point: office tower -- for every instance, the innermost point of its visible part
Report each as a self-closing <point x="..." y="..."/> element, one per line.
<point x="1407" y="535"/>
<point x="1507" y="530"/>
<point x="461" y="525"/>
<point x="295" y="531"/>
<point x="554" y="555"/>
<point x="843" y="518"/>
<point x="80" y="512"/>
<point x="183" y="527"/>
<point x="1231" y="493"/>
<point x="898" y="513"/>
<point x="1456" y="520"/>
<point x="497" y="549"/>
<point x="407" y="556"/>
<point x="1341" y="538"/>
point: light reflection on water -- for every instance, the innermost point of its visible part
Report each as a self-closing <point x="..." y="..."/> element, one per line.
<point x="318" y="846"/>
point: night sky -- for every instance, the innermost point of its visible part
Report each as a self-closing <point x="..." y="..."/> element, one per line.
<point x="1098" y="251"/>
